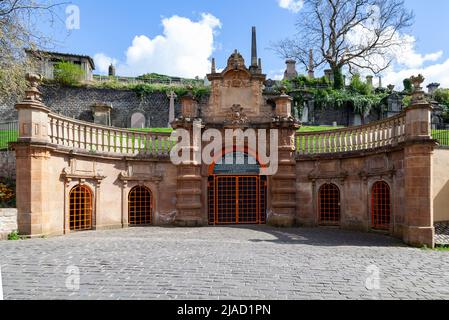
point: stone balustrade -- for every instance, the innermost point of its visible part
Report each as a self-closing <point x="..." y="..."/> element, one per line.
<point x="84" y="136"/>
<point x="389" y="132"/>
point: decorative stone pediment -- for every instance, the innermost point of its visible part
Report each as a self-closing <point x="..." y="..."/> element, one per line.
<point x="236" y="86"/>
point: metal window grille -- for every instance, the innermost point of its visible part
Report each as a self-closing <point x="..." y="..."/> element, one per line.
<point x="329" y="205"/>
<point x="381" y="206"/>
<point x="237" y="200"/>
<point x="140" y="206"/>
<point x="80" y="208"/>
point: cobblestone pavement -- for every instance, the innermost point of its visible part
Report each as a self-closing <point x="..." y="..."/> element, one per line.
<point x="222" y="263"/>
<point x="442" y="233"/>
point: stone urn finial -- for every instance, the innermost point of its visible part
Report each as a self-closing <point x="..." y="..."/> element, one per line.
<point x="283" y="90"/>
<point x="33" y="93"/>
<point x="418" y="93"/>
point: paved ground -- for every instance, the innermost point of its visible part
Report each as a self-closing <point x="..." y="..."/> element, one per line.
<point x="221" y="263"/>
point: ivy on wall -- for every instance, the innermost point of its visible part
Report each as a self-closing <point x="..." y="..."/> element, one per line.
<point x="360" y="96"/>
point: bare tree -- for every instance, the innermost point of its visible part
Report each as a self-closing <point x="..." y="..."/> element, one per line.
<point x="19" y="25"/>
<point x="357" y="34"/>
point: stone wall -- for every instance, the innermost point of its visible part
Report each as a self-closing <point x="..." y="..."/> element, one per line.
<point x="7" y="164"/>
<point x="76" y="102"/>
<point x="343" y="116"/>
<point x="354" y="176"/>
<point x="8" y="222"/>
<point x="440" y="184"/>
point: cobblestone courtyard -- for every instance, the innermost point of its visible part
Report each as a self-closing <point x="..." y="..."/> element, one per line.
<point x="221" y="263"/>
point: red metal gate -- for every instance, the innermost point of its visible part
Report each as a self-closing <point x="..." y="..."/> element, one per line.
<point x="237" y="200"/>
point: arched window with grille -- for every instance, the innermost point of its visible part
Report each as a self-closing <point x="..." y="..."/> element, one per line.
<point x="140" y="206"/>
<point x="329" y="204"/>
<point x="80" y="208"/>
<point x="381" y="206"/>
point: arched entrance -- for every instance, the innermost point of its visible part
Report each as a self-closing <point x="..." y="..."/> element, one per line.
<point x="237" y="194"/>
<point x="140" y="206"/>
<point x="80" y="208"/>
<point x="381" y="206"/>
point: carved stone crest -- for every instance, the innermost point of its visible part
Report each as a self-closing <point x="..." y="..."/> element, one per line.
<point x="236" y="116"/>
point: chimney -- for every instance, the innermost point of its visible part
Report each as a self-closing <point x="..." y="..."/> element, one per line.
<point x="290" y="72"/>
<point x="380" y="82"/>
<point x="433" y="87"/>
<point x="329" y="75"/>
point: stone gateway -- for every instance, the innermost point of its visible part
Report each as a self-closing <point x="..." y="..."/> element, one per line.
<point x="74" y="175"/>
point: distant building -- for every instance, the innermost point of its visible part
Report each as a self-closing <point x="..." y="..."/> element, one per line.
<point x="47" y="60"/>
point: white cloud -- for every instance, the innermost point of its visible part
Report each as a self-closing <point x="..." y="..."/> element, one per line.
<point x="102" y="62"/>
<point x="291" y="5"/>
<point x="276" y="74"/>
<point x="407" y="61"/>
<point x="434" y="73"/>
<point x="182" y="50"/>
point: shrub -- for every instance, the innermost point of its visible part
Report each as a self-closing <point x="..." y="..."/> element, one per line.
<point x="67" y="73"/>
<point x="358" y="86"/>
<point x="13" y="236"/>
<point x="408" y="87"/>
<point x="7" y="194"/>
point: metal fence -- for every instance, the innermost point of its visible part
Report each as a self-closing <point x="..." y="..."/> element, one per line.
<point x="9" y="132"/>
<point x="440" y="132"/>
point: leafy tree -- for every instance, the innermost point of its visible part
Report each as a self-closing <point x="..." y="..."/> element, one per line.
<point x="358" y="86"/>
<point x="68" y="73"/>
<point x="18" y="19"/>
<point x="408" y="87"/>
<point x="442" y="96"/>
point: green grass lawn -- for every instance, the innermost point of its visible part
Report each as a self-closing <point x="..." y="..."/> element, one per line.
<point x="317" y="128"/>
<point x="7" y="136"/>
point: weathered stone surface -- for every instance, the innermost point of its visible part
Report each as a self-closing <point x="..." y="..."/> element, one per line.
<point x="8" y="222"/>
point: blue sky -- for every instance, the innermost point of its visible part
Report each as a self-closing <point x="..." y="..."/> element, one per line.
<point x="195" y="30"/>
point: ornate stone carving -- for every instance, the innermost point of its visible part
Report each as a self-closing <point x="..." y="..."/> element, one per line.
<point x="418" y="93"/>
<point x="33" y="93"/>
<point x="236" y="116"/>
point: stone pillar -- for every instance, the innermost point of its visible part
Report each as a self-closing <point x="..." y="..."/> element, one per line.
<point x="189" y="207"/>
<point x="102" y="114"/>
<point x="32" y="155"/>
<point x="419" y="229"/>
<point x="283" y="186"/>
<point x="369" y="80"/>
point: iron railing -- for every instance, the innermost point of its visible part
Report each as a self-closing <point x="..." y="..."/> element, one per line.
<point x="9" y="132"/>
<point x="440" y="132"/>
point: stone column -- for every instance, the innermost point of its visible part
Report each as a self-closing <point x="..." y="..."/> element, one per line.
<point x="419" y="229"/>
<point x="188" y="195"/>
<point x="32" y="155"/>
<point x="283" y="187"/>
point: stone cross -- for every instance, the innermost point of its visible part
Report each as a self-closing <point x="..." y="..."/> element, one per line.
<point x="171" y="114"/>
